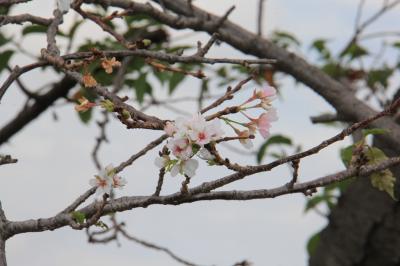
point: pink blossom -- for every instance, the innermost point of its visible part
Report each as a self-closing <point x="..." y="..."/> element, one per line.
<point x="162" y="161"/>
<point x="118" y="182"/>
<point x="170" y="128"/>
<point x="106" y="180"/>
<point x="202" y="132"/>
<point x="266" y="95"/>
<point x="263" y="122"/>
<point x="267" y="92"/>
<point x="180" y="147"/>
<point x="246" y="141"/>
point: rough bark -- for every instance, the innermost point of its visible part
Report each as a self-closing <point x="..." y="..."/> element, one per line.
<point x="3" y="261"/>
<point x="3" y="221"/>
<point x="363" y="229"/>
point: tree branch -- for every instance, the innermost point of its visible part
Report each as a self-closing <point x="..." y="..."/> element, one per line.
<point x="198" y="193"/>
<point x="26" y="115"/>
<point x="337" y="94"/>
<point x="6" y="159"/>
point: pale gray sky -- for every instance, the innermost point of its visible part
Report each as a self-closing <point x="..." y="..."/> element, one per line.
<point x="55" y="165"/>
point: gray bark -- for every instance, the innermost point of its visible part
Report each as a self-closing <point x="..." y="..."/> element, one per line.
<point x="3" y="261"/>
<point x="364" y="228"/>
<point x="3" y="221"/>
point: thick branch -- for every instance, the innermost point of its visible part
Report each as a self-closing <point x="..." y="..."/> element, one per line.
<point x="198" y="193"/>
<point x="28" y="114"/>
<point x="19" y="19"/>
<point x="338" y="95"/>
<point x="3" y="261"/>
<point x="6" y="159"/>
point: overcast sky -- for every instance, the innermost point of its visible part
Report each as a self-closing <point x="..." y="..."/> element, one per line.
<point x="55" y="165"/>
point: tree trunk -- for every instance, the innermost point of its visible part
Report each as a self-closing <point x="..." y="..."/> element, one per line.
<point x="364" y="228"/>
<point x="3" y="261"/>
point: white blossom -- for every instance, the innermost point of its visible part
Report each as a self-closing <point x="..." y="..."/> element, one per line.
<point x="205" y="154"/>
<point x="161" y="161"/>
<point x="180" y="147"/>
<point x="106" y="180"/>
<point x="118" y="182"/>
<point x="203" y="132"/>
<point x="186" y="167"/>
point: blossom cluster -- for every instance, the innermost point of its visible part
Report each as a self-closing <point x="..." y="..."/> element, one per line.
<point x="188" y="137"/>
<point x="263" y="122"/>
<point x="106" y="180"/>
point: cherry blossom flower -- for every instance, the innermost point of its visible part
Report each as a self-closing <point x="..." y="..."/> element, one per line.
<point x="186" y="167"/>
<point x="205" y="154"/>
<point x="162" y="161"/>
<point x="182" y="126"/>
<point x="202" y="132"/>
<point x="266" y="95"/>
<point x="118" y="182"/>
<point x="215" y="129"/>
<point x="180" y="147"/>
<point x="263" y="122"/>
<point x="106" y="180"/>
<point x="188" y="138"/>
<point x="84" y="105"/>
<point x="170" y="128"/>
<point x="103" y="181"/>
<point x="109" y="64"/>
<point x="246" y="141"/>
<point x="267" y="92"/>
<point x="89" y="81"/>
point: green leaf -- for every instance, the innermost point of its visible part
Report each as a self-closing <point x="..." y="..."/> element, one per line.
<point x="222" y="72"/>
<point x="108" y="105"/>
<point x="375" y="155"/>
<point x="141" y="86"/>
<point x="79" y="217"/>
<point x="3" y="40"/>
<point x="333" y="70"/>
<point x="314" y="201"/>
<point x="34" y="29"/>
<point x="101" y="224"/>
<point x="346" y="154"/>
<point x="4" y="10"/>
<point x="320" y="46"/>
<point x="174" y="81"/>
<point x="102" y="77"/>
<point x="396" y="44"/>
<point x="4" y="58"/>
<point x="374" y="131"/>
<point x="313" y="243"/>
<point x="354" y="51"/>
<point x="276" y="139"/>
<point x="341" y="186"/>
<point x="379" y="77"/>
<point x="85" y="116"/>
<point x="162" y="76"/>
<point x="384" y="181"/>
<point x="284" y="39"/>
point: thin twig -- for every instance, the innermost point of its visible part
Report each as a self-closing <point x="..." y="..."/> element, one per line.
<point x="7" y="159"/>
<point x="157" y="247"/>
<point x="150" y="146"/>
<point x="260" y="17"/>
